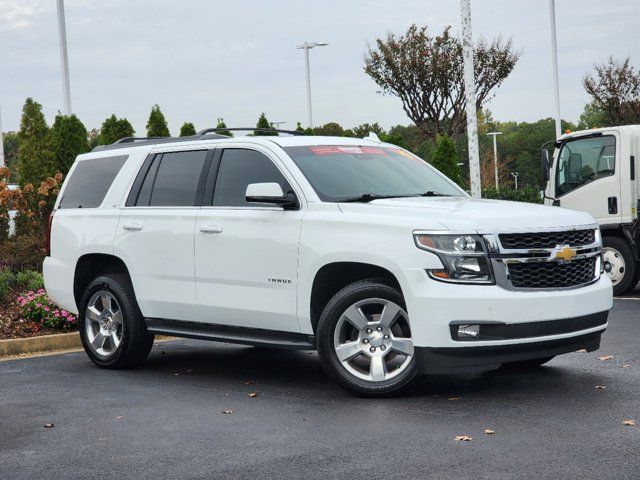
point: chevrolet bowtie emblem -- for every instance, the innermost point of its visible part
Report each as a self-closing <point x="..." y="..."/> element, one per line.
<point x="564" y="253"/>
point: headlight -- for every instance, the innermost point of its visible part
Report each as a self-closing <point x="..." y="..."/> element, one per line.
<point x="463" y="256"/>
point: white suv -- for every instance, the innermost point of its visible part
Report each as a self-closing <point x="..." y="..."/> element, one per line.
<point x="353" y="247"/>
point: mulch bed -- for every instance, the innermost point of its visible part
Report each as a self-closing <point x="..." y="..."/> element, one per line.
<point x="13" y="326"/>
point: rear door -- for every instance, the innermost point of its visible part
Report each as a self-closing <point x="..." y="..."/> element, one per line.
<point x="156" y="232"/>
<point x="587" y="176"/>
<point x="247" y="254"/>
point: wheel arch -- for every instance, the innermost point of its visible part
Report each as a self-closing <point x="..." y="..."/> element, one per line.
<point x="92" y="265"/>
<point x="333" y="277"/>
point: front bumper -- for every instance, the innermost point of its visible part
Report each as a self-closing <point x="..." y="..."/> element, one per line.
<point x="473" y="359"/>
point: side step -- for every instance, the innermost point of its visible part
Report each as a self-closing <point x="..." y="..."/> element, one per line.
<point x="230" y="334"/>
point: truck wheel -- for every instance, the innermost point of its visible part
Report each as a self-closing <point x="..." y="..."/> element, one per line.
<point x="525" y="364"/>
<point x="619" y="264"/>
<point x="112" y="328"/>
<point x="364" y="340"/>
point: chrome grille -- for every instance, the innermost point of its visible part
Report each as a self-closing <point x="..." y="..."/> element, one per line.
<point x="520" y="241"/>
<point x="552" y="274"/>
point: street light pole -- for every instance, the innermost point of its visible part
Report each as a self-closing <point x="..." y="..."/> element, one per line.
<point x="554" y="61"/>
<point x="306" y="46"/>
<point x="64" y="57"/>
<point x="495" y="154"/>
<point x="515" y="177"/>
<point x="470" y="99"/>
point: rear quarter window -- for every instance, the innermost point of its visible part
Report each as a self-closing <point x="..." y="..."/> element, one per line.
<point x="90" y="181"/>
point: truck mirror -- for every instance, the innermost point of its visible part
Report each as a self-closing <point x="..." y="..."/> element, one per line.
<point x="544" y="178"/>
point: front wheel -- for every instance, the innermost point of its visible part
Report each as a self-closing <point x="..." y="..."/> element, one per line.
<point x="364" y="340"/>
<point x="619" y="264"/>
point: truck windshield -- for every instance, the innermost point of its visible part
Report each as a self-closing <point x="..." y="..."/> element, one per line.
<point x="584" y="160"/>
<point x="362" y="173"/>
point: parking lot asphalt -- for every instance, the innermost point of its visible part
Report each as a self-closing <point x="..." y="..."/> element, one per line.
<point x="167" y="419"/>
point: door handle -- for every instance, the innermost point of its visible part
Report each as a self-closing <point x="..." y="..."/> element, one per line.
<point x="132" y="227"/>
<point x="612" y="203"/>
<point x="211" y="228"/>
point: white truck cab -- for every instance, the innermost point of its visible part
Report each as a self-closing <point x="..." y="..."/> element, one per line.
<point x="353" y="247"/>
<point x="595" y="171"/>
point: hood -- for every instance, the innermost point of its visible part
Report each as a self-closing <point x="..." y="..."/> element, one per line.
<point x="456" y="213"/>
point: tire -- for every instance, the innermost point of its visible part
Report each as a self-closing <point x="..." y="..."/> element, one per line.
<point x="620" y="264"/>
<point x="389" y="338"/>
<point x="100" y="327"/>
<point x="527" y="364"/>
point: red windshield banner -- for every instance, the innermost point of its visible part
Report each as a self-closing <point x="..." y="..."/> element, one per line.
<point x="346" y="150"/>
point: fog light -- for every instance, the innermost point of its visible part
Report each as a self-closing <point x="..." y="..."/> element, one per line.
<point x="468" y="331"/>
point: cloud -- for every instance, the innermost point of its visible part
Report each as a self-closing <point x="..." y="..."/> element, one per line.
<point x="18" y="14"/>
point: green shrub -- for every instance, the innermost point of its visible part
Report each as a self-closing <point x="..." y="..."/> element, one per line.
<point x="7" y="282"/>
<point x="29" y="280"/>
<point x="38" y="307"/>
<point x="24" y="252"/>
<point x="525" y="194"/>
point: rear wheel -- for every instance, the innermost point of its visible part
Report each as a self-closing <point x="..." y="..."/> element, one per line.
<point x="619" y="264"/>
<point x="112" y="328"/>
<point x="364" y="340"/>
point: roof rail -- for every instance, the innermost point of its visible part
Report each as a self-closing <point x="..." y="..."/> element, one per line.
<point x="136" y="139"/>
<point x="249" y="129"/>
<point x="128" y="141"/>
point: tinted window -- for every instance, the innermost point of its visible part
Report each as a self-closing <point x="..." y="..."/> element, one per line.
<point x="144" y="196"/>
<point x="238" y="169"/>
<point x="176" y="183"/>
<point x="584" y="160"/>
<point x="90" y="182"/>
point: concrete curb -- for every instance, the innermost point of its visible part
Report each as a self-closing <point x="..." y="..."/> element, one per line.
<point x="44" y="343"/>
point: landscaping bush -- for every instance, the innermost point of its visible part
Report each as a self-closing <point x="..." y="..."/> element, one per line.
<point x="526" y="194"/>
<point x="25" y="252"/>
<point x="30" y="280"/>
<point x="7" y="282"/>
<point x="37" y="307"/>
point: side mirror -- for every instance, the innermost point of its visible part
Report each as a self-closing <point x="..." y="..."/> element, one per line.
<point x="544" y="178"/>
<point x="271" y="193"/>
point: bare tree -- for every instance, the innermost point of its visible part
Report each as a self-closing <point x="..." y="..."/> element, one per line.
<point x="426" y="73"/>
<point x="615" y="90"/>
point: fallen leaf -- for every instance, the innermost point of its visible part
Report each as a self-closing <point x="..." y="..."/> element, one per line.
<point x="226" y="394"/>
<point x="625" y="366"/>
<point x="253" y="394"/>
<point x="453" y="399"/>
<point x="600" y="387"/>
<point x="606" y="357"/>
<point x="227" y="412"/>
<point x="249" y="382"/>
<point x="584" y="350"/>
<point x="489" y="431"/>
<point x="119" y="417"/>
<point x="189" y="370"/>
<point x="463" y="438"/>
<point x="176" y="374"/>
<point x="629" y="423"/>
<point x="48" y="425"/>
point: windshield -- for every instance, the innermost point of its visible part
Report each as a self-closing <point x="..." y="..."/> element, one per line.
<point x="584" y="160"/>
<point x="345" y="172"/>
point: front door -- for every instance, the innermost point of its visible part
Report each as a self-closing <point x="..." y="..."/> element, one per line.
<point x="247" y="254"/>
<point x="587" y="177"/>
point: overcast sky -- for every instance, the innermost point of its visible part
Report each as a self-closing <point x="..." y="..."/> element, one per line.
<point x="201" y="60"/>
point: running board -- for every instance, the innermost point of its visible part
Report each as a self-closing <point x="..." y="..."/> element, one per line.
<point x="230" y="334"/>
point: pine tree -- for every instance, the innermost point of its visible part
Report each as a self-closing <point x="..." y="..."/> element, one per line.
<point x="114" y="129"/>
<point x="299" y="128"/>
<point x="223" y="125"/>
<point x="187" y="129"/>
<point x="36" y="159"/>
<point x="157" y="125"/>
<point x="264" y="123"/>
<point x="445" y="159"/>
<point x="69" y="138"/>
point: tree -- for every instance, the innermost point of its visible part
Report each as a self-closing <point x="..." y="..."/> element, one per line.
<point x="11" y="147"/>
<point x="223" y="125"/>
<point x="94" y="138"/>
<point x="425" y="150"/>
<point x="114" y="129"/>
<point x="445" y="158"/>
<point x="426" y="73"/>
<point x="394" y="139"/>
<point x="187" y="129"/>
<point x="331" y="129"/>
<point x="264" y="123"/>
<point x="593" y="116"/>
<point x="364" y="129"/>
<point x="157" y="125"/>
<point x="299" y="127"/>
<point x="69" y="138"/>
<point x="615" y="89"/>
<point x="36" y="159"/>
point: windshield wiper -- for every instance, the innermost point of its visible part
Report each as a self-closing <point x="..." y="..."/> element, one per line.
<point x="431" y="193"/>
<point x="368" y="197"/>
